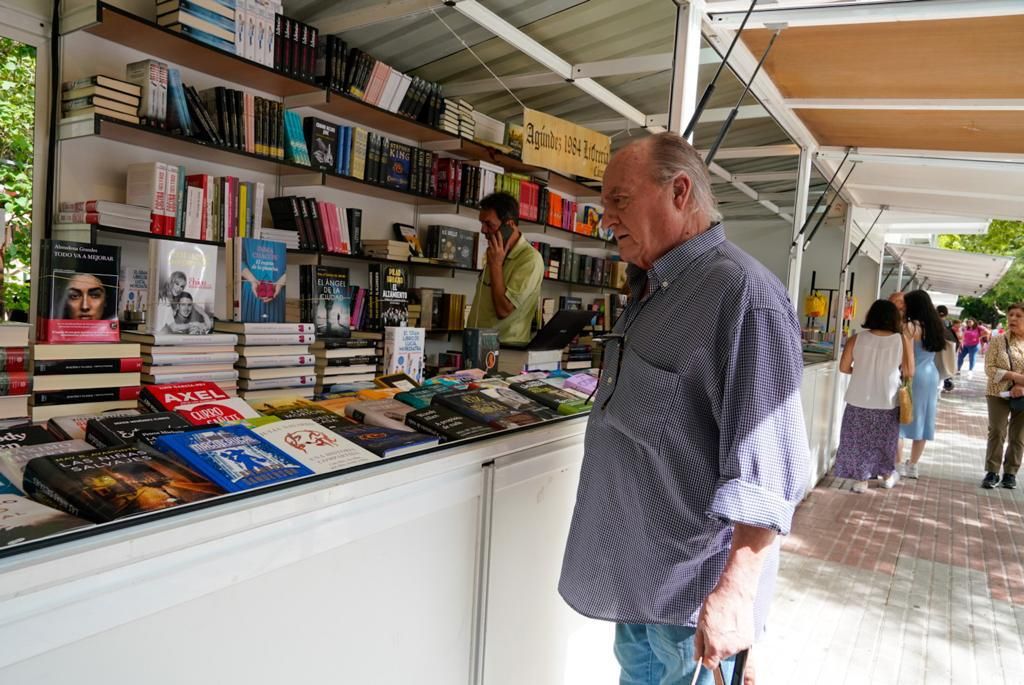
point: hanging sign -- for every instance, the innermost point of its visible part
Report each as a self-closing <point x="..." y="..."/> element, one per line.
<point x="561" y="145"/>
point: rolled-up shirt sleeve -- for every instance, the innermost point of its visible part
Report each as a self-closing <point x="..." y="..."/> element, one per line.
<point x="763" y="455"/>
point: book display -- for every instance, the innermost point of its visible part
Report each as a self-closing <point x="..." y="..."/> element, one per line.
<point x="217" y="331"/>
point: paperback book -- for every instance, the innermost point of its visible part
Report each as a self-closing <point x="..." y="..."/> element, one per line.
<point x="404" y="350"/>
<point x="78" y="293"/>
<point x="387" y="443"/>
<point x="319" y="448"/>
<point x="23" y="519"/>
<point x="233" y="457"/>
<point x="107" y="484"/>
<point x="258" y="280"/>
<point x="183" y="287"/>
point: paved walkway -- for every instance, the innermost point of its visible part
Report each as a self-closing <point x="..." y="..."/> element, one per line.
<point x="920" y="584"/>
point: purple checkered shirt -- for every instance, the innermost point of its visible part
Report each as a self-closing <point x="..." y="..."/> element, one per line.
<point x="700" y="427"/>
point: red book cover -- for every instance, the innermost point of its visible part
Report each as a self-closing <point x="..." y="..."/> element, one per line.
<point x="13" y="359"/>
<point x="216" y="412"/>
<point x="14" y="383"/>
<point x="170" y="396"/>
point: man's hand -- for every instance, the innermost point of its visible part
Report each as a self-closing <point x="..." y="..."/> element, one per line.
<point x="496" y="249"/>
<point x="1017" y="391"/>
<point x="725" y="626"/>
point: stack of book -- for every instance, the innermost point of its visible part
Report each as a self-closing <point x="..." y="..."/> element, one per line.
<point x="450" y="118"/>
<point x="84" y="378"/>
<point x="517" y="361"/>
<point x="467" y="124"/>
<point x="106" y="213"/>
<point x="340" y="361"/>
<point x="212" y="23"/>
<point x="100" y="95"/>
<point x="14" y="379"/>
<point x="273" y="359"/>
<point x="394" y="250"/>
<point x="182" y="358"/>
<point x="289" y="238"/>
<point x="577" y="357"/>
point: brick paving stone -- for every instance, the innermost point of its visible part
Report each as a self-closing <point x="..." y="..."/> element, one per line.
<point x="920" y="584"/>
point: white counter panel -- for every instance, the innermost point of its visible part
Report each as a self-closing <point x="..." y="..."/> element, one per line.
<point x="532" y="636"/>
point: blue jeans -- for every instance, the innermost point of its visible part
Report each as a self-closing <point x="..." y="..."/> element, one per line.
<point x="967" y="351"/>
<point x="659" y="655"/>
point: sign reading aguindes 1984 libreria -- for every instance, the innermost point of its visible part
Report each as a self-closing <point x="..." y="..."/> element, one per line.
<point x="561" y="145"/>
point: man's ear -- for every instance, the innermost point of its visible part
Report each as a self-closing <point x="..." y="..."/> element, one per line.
<point x="681" y="188"/>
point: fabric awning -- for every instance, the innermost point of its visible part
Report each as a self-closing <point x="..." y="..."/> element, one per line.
<point x="952" y="271"/>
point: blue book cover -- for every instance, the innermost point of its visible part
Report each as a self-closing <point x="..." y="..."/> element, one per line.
<point x="296" y="139"/>
<point x="233" y="457"/>
<point x="346" y="169"/>
<point x="204" y="37"/>
<point x="7" y="487"/>
<point x="339" y="157"/>
<point x="214" y="18"/>
<point x="261" y="274"/>
<point x="399" y="163"/>
<point x="177" y="107"/>
<point x="387" y="442"/>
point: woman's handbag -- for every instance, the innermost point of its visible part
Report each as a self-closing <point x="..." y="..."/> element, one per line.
<point x="945" y="361"/>
<point x="1016" y="403"/>
<point x="906" y="403"/>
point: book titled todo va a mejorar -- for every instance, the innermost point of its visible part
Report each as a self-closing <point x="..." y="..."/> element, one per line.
<point x="77" y="300"/>
<point x="107" y="484"/>
<point x="233" y="457"/>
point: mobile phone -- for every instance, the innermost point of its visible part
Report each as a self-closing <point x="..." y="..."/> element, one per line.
<point x="506" y="231"/>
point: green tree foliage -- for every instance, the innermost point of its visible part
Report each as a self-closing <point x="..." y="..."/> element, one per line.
<point x="1003" y="238"/>
<point x="17" y="129"/>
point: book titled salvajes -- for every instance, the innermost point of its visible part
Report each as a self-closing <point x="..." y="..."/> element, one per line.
<point x="106" y="484"/>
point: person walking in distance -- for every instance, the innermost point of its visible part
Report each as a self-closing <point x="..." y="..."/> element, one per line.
<point x="875" y="358"/>
<point x="696" y="452"/>
<point x="971" y="333"/>
<point x="951" y="337"/>
<point x="925" y="328"/>
<point x="1004" y="369"/>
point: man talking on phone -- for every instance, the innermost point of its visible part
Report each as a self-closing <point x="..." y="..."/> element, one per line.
<point x="508" y="289"/>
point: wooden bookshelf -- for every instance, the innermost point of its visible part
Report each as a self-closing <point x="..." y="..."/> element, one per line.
<point x="110" y="230"/>
<point x="356" y="111"/>
<point x="527" y="227"/>
<point x="313" y="178"/>
<point x="124" y="28"/>
<point x="162" y="140"/>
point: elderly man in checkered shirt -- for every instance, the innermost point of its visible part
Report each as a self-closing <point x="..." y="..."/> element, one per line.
<point x="696" y="452"/>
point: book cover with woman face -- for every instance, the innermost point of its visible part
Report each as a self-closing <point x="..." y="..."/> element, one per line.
<point x="78" y="302"/>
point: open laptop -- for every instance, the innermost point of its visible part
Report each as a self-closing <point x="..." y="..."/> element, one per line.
<point x="565" y="325"/>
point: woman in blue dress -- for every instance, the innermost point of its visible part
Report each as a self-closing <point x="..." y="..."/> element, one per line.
<point x="925" y="328"/>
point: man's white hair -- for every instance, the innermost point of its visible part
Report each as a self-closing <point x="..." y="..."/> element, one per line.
<point x="672" y="155"/>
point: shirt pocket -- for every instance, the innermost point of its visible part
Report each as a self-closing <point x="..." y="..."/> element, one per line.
<point x="641" y="400"/>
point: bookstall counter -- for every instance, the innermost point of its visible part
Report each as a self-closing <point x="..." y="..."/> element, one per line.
<point x="329" y="577"/>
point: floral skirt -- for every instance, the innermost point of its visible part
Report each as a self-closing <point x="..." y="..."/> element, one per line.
<point x="867" y="443"/>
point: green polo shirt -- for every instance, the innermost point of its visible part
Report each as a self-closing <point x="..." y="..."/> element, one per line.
<point x="524" y="272"/>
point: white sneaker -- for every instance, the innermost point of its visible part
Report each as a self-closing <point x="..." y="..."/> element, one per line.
<point x="911" y="471"/>
<point x="901" y="469"/>
<point x="860" y="487"/>
<point x="890" y="482"/>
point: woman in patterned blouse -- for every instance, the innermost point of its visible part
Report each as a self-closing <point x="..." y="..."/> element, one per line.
<point x="1004" y="367"/>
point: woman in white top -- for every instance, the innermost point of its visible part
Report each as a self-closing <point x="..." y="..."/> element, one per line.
<point x="875" y="358"/>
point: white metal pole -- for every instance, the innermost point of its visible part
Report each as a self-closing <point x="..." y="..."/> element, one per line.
<point x="844" y="279"/>
<point x="796" y="252"/>
<point x="685" y="64"/>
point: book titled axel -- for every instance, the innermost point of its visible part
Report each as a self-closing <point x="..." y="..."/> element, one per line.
<point x="233" y="457"/>
<point x="107" y="484"/>
<point x="200" y="402"/>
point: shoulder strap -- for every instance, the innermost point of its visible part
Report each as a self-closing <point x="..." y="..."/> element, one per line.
<point x="1009" y="357"/>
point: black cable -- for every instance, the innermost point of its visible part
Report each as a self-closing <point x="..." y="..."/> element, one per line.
<point x="721" y="65"/>
<point x="735" y="110"/>
<point x="828" y="207"/>
<point x="856" y="251"/>
<point x="821" y="197"/>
